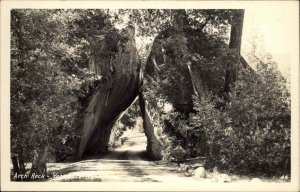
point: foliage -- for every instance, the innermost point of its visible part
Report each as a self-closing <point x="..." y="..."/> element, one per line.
<point x="173" y="76"/>
<point x="183" y="34"/>
<point x="152" y="21"/>
<point x="208" y="56"/>
<point x="211" y="57"/>
<point x="49" y="77"/>
<point x="116" y="132"/>
<point x="252" y="132"/>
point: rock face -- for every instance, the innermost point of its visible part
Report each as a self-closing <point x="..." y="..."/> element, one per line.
<point x="116" y="62"/>
<point x="115" y="59"/>
<point x="198" y="59"/>
<point x="153" y="128"/>
<point x="164" y="55"/>
<point x="185" y="62"/>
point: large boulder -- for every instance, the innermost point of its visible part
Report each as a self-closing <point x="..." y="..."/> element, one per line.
<point x="165" y="66"/>
<point x="183" y="63"/>
<point x="223" y="178"/>
<point x="200" y="172"/>
<point x="199" y="63"/>
<point x="114" y="59"/>
<point x="153" y="127"/>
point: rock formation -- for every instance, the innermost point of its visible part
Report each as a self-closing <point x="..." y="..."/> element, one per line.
<point x="188" y="62"/>
<point x="197" y="63"/>
<point x="153" y="126"/>
<point x="201" y="65"/>
<point x="115" y="60"/>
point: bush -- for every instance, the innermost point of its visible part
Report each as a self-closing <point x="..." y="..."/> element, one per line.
<point x="252" y="132"/>
<point x="49" y="80"/>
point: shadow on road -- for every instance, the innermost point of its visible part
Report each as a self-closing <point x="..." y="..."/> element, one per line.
<point x="96" y="170"/>
<point x="129" y="162"/>
<point x="124" y="155"/>
<point x="133" y="148"/>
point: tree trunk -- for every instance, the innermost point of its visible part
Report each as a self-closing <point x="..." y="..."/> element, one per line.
<point x="179" y="18"/>
<point x="235" y="43"/>
<point x="39" y="164"/>
<point x="15" y="163"/>
<point x="237" y="30"/>
<point x="22" y="164"/>
<point x="18" y="166"/>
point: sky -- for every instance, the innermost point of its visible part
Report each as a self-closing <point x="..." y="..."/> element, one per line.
<point x="278" y="34"/>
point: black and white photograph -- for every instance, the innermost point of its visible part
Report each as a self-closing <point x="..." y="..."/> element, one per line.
<point x="151" y="95"/>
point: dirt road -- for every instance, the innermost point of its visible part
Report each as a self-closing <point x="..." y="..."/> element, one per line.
<point x="128" y="163"/>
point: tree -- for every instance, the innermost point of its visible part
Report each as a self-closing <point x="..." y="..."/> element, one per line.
<point x="251" y="133"/>
<point x="235" y="43"/>
<point x="48" y="70"/>
<point x="149" y="22"/>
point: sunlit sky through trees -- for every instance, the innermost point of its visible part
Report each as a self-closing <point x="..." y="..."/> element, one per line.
<point x="275" y="31"/>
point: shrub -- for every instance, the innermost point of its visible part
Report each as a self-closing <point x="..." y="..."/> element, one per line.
<point x="252" y="132"/>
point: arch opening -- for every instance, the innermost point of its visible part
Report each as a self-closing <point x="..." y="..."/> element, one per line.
<point x="129" y="135"/>
<point x="128" y="140"/>
<point x="119" y="66"/>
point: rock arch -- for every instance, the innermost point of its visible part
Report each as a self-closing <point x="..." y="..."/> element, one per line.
<point x="115" y="59"/>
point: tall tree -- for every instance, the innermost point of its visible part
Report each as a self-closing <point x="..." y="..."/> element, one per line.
<point x="236" y="29"/>
<point x="49" y="51"/>
<point x="235" y="43"/>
